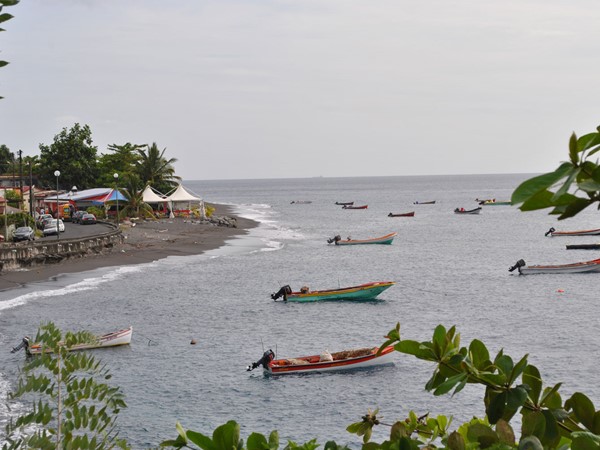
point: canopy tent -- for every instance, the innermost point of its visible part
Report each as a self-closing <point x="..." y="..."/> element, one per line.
<point x="149" y="195"/>
<point x="182" y="196"/>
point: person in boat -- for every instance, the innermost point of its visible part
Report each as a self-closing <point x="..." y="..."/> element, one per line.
<point x="462" y="209"/>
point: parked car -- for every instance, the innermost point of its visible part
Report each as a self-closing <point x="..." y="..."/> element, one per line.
<point x="46" y="221"/>
<point x="40" y="220"/>
<point x="50" y="227"/>
<point x="24" y="234"/>
<point x="77" y="216"/>
<point x="87" y="219"/>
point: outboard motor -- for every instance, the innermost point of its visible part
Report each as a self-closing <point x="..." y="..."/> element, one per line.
<point x="267" y="357"/>
<point x="520" y="263"/>
<point x="335" y="239"/>
<point x="24" y="344"/>
<point x="283" y="292"/>
<point x="550" y="231"/>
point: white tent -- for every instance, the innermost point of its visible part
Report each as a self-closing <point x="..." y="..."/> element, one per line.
<point x="150" y="196"/>
<point x="181" y="195"/>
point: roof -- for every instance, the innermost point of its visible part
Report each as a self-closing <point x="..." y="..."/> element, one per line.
<point x="150" y="196"/>
<point x="182" y="195"/>
<point x="96" y="194"/>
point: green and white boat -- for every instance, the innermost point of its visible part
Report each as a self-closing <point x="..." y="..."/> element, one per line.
<point x="367" y="291"/>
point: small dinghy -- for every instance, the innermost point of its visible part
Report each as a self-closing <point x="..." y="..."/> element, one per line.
<point x="552" y="232"/>
<point x="387" y="239"/>
<point x="355" y="207"/>
<point x="432" y="202"/>
<point x="344" y="203"/>
<point x="325" y="362"/>
<point x="580" y="267"/>
<point x="367" y="291"/>
<point x="467" y="211"/>
<point x="408" y="214"/>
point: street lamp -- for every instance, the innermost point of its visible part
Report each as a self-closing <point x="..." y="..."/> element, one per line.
<point x="57" y="174"/>
<point x="116" y="175"/>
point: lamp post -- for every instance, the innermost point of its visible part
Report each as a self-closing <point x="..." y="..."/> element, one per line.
<point x="57" y="174"/>
<point x="116" y="175"/>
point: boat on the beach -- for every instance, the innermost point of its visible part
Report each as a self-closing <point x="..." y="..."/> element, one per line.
<point x="583" y="246"/>
<point x="468" y="211"/>
<point x="344" y="203"/>
<point x="408" y="214"/>
<point x="367" y="291"/>
<point x="432" y="202"/>
<point x="300" y="202"/>
<point x="355" y="207"/>
<point x="121" y="337"/>
<point x="325" y="362"/>
<point x="553" y="232"/>
<point x="387" y="239"/>
<point x="580" y="267"/>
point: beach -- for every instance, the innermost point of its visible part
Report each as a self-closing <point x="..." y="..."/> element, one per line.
<point x="147" y="241"/>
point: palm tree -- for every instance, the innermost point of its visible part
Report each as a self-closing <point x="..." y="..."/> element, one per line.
<point x="134" y="205"/>
<point x="156" y="170"/>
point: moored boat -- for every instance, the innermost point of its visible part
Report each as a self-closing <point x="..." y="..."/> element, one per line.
<point x="580" y="267"/>
<point x="583" y="246"/>
<point x="387" y="239"/>
<point x="300" y="202"/>
<point x="344" y="203"/>
<point x="355" y="207"/>
<point x="553" y="232"/>
<point x="432" y="202"/>
<point x="468" y="211"/>
<point x="493" y="202"/>
<point x="325" y="362"/>
<point x="121" y="337"/>
<point x="367" y="291"/>
<point x="408" y="214"/>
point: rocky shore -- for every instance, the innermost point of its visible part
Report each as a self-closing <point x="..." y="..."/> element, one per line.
<point x="143" y="241"/>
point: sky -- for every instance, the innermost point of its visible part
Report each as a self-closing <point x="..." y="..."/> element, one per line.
<point x="302" y="88"/>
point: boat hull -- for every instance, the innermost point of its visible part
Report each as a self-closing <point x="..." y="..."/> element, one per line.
<point x="355" y="207"/>
<point x="581" y="267"/>
<point x="121" y="337"/>
<point x="408" y="214"/>
<point x="366" y="291"/>
<point x="583" y="247"/>
<point x="311" y="364"/>
<point x="387" y="239"/>
<point x="468" y="211"/>
<point x="594" y="232"/>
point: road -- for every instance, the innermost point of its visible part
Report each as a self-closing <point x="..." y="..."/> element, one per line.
<point x="76" y="231"/>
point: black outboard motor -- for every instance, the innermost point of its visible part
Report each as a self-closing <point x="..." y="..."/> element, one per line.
<point x="335" y="239"/>
<point x="283" y="292"/>
<point x="520" y="263"/>
<point x="24" y="344"/>
<point x="267" y="357"/>
<point x="550" y="231"/>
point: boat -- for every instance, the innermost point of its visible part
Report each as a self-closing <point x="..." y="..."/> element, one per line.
<point x="121" y="337"/>
<point x="325" y="362"/>
<point x="553" y="232"/>
<point x="355" y="207"/>
<point x="367" y="291"/>
<point x="344" y="203"/>
<point x="493" y="202"/>
<point x="580" y="267"/>
<point x="425" y="203"/>
<point x="583" y="247"/>
<point x="387" y="239"/>
<point x="300" y="202"/>
<point x="468" y="211"/>
<point x="408" y="214"/>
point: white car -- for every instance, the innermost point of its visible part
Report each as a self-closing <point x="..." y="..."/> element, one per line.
<point x="50" y="227"/>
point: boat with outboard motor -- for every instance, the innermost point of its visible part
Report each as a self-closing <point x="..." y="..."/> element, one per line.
<point x="468" y="211"/>
<point x="325" y="362"/>
<point x="552" y="232"/>
<point x="355" y="207"/>
<point x="387" y="239"/>
<point x="583" y="246"/>
<point x="408" y="214"/>
<point x="580" y="267"/>
<point x="344" y="203"/>
<point x="121" y="337"/>
<point x="432" y="202"/>
<point x="367" y="291"/>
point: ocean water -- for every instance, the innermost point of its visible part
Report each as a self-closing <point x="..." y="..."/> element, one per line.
<point x="450" y="269"/>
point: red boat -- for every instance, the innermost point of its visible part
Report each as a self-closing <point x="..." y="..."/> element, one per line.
<point x="408" y="214"/>
<point x="355" y="207"/>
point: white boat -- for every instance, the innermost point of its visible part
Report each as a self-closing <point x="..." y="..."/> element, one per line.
<point x="580" y="267"/>
<point x="121" y="337"/>
<point x="327" y="362"/>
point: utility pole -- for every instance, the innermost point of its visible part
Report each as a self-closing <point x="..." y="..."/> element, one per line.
<point x="31" y="190"/>
<point x="20" y="178"/>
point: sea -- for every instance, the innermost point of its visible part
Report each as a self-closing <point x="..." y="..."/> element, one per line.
<point x="449" y="269"/>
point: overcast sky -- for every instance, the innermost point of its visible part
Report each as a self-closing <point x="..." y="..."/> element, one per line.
<point x="302" y="88"/>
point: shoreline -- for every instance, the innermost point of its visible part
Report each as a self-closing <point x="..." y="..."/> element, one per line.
<point x="146" y="242"/>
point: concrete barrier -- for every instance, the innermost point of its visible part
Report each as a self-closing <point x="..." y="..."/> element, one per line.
<point x="15" y="256"/>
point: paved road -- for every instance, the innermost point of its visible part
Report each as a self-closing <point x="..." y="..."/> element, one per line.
<point x="76" y="231"/>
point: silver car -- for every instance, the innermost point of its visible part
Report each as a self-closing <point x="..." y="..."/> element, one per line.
<point x="50" y="227"/>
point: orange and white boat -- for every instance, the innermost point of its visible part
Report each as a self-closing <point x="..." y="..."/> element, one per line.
<point x="326" y="362"/>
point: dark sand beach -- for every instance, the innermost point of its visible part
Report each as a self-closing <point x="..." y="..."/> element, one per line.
<point x="147" y="241"/>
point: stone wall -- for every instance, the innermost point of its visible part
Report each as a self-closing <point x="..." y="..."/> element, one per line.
<point x="15" y="256"/>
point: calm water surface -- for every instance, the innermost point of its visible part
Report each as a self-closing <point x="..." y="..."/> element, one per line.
<point x="449" y="269"/>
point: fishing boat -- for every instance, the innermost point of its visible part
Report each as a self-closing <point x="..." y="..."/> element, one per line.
<point x="425" y="203"/>
<point x="367" y="291"/>
<point x="408" y="214"/>
<point x="387" y="239"/>
<point x="580" y="267"/>
<point x="121" y="337"/>
<point x="344" y="203"/>
<point x="325" y="362"/>
<point x="553" y="232"/>
<point x="468" y="211"/>
<point x="493" y="202"/>
<point x="300" y="202"/>
<point x="583" y="247"/>
<point x="355" y="207"/>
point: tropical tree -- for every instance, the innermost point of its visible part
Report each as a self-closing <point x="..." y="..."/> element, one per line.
<point x="134" y="204"/>
<point x="73" y="154"/>
<point x="7" y="158"/>
<point x="122" y="161"/>
<point x="73" y="408"/>
<point x="3" y="18"/>
<point x="155" y="169"/>
<point x="572" y="187"/>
